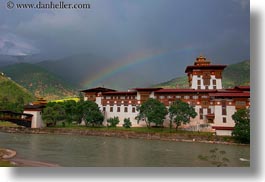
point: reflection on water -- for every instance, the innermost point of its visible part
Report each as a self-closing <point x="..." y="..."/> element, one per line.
<point x="68" y="150"/>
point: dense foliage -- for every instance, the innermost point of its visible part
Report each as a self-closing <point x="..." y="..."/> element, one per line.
<point x="112" y="122"/>
<point x="127" y="123"/>
<point x="180" y="113"/>
<point x="72" y="111"/>
<point x="13" y="96"/>
<point x="152" y="111"/>
<point x="53" y="113"/>
<point x="92" y="114"/>
<point x="241" y="131"/>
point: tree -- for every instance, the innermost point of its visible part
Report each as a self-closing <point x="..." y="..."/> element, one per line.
<point x="70" y="108"/>
<point x="92" y="114"/>
<point x="127" y="123"/>
<point x="241" y="131"/>
<point x="152" y="111"/>
<point x="53" y="113"/>
<point x="180" y="113"/>
<point x="113" y="121"/>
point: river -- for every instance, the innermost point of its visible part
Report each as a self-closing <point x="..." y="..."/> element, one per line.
<point x="92" y="151"/>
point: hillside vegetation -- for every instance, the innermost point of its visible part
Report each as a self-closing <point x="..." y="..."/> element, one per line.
<point x="233" y="75"/>
<point x="39" y="81"/>
<point x="12" y="95"/>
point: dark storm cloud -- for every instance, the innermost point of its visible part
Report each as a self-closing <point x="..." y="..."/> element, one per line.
<point x="118" y="28"/>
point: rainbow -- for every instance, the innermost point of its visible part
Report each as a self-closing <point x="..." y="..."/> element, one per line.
<point x="128" y="62"/>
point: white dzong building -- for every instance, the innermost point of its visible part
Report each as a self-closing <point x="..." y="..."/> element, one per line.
<point x="213" y="104"/>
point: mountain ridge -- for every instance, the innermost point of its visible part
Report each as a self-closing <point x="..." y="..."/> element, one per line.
<point x="39" y="81"/>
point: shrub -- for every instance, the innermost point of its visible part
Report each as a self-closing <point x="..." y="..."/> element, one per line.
<point x="127" y="123"/>
<point x="113" y="121"/>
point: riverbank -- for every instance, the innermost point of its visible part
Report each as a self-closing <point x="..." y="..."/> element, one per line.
<point x="121" y="133"/>
<point x="5" y="156"/>
<point x="8" y="159"/>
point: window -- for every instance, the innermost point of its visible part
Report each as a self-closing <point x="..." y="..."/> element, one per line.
<point x="206" y="87"/>
<point x="125" y="109"/>
<point x="162" y="97"/>
<point x="209" y="111"/>
<point x="178" y="97"/>
<point x="118" y="109"/>
<point x="201" y="116"/>
<point x="195" y="97"/>
<point x="133" y="109"/>
<point x="214" y="82"/>
<point x="199" y="87"/>
<point x="186" y="97"/>
<point x="201" y="110"/>
<point x="214" y="87"/>
<point x="104" y="109"/>
<point x="224" y="120"/>
<point x="198" y="82"/>
<point x="223" y="110"/>
<point x="111" y="109"/>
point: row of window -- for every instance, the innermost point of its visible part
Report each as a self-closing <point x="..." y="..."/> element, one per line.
<point x="119" y="109"/>
<point x="119" y="97"/>
<point x="179" y="97"/>
<point x="199" y="82"/>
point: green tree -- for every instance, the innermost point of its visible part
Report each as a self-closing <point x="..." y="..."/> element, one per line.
<point x="180" y="113"/>
<point x="92" y="114"/>
<point x="53" y="113"/>
<point x="127" y="123"/>
<point x="241" y="131"/>
<point x="113" y="121"/>
<point x="70" y="108"/>
<point x="152" y="111"/>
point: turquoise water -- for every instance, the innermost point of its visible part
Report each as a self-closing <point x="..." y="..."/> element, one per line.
<point x="68" y="150"/>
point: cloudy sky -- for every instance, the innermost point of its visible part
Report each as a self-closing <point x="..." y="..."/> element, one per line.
<point x="157" y="37"/>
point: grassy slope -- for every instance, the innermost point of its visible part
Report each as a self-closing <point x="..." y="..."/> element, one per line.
<point x="39" y="81"/>
<point x="13" y="91"/>
<point x="234" y="74"/>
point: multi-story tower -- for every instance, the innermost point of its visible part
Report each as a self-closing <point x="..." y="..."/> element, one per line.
<point x="204" y="75"/>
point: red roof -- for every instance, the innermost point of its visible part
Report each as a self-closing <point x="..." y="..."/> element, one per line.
<point x="245" y="88"/>
<point x="213" y="66"/>
<point x="146" y="89"/>
<point x="98" y="89"/>
<point x="231" y="94"/>
<point x="222" y="128"/>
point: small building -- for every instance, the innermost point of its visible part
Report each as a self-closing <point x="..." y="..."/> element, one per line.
<point x="35" y="109"/>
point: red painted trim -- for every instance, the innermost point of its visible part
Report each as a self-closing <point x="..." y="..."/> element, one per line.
<point x="222" y="128"/>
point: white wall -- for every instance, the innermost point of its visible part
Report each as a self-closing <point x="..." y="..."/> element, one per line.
<point x="37" y="121"/>
<point x="122" y="115"/>
<point x="195" y="79"/>
<point x="223" y="132"/>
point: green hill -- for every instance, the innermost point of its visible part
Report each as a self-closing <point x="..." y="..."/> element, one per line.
<point x="12" y="95"/>
<point x="233" y="75"/>
<point x="237" y="74"/>
<point x="39" y="81"/>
